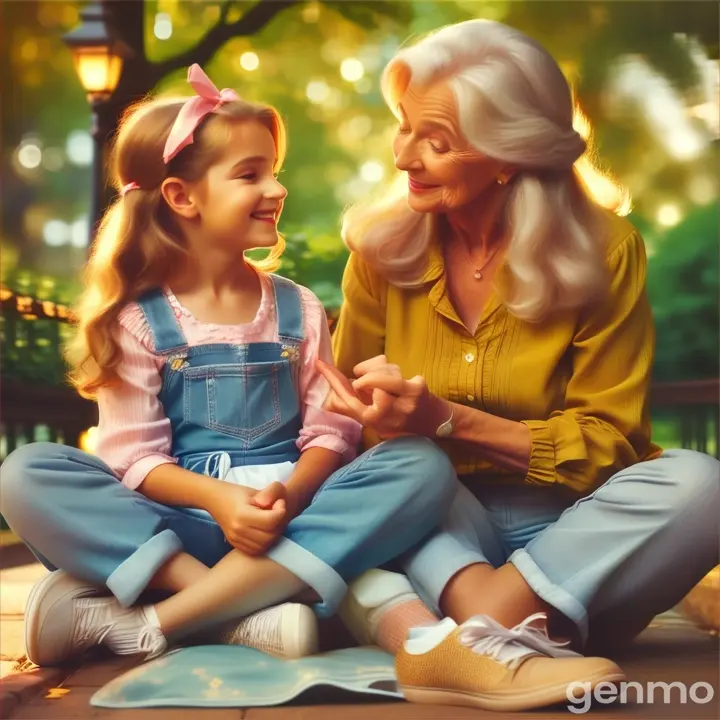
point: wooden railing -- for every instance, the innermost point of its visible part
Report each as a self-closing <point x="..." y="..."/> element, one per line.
<point x="686" y="392"/>
<point x="694" y="406"/>
<point x="43" y="412"/>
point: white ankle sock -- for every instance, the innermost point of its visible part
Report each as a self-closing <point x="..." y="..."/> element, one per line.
<point x="124" y="636"/>
<point x="377" y="614"/>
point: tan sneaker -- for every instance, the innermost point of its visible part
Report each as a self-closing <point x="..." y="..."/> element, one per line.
<point x="484" y="665"/>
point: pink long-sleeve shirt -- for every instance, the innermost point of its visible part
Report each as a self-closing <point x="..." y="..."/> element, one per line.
<point x="134" y="433"/>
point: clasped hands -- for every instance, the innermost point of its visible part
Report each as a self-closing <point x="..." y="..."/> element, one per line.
<point x="252" y="520"/>
<point x="380" y="398"/>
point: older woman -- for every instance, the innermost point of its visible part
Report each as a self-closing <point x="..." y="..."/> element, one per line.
<point x="498" y="307"/>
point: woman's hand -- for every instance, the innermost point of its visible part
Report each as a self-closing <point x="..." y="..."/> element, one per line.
<point x="381" y="399"/>
<point x="252" y="520"/>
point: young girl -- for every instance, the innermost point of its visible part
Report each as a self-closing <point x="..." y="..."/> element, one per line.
<point x="218" y="474"/>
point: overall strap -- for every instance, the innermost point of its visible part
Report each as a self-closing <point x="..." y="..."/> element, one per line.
<point x="164" y="327"/>
<point x="288" y="305"/>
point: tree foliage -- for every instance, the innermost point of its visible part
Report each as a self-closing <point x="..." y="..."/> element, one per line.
<point x="299" y="43"/>
<point x="683" y="289"/>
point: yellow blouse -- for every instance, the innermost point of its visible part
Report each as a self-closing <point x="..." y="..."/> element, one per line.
<point x="579" y="382"/>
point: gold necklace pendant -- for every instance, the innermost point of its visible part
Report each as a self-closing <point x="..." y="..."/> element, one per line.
<point x="478" y="271"/>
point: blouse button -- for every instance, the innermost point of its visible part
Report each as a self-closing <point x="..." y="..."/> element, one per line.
<point x="469" y="357"/>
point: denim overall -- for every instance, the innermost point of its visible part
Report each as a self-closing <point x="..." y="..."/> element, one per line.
<point x="228" y="405"/>
<point x="237" y="403"/>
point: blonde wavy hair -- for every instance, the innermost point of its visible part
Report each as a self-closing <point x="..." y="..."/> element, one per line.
<point x="514" y="105"/>
<point x="138" y="238"/>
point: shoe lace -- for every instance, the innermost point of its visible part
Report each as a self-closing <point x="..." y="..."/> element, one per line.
<point x="485" y="636"/>
<point x="89" y="630"/>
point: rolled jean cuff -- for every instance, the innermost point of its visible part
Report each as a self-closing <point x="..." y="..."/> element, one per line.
<point x="549" y="592"/>
<point x="430" y="577"/>
<point x="132" y="576"/>
<point x="323" y="579"/>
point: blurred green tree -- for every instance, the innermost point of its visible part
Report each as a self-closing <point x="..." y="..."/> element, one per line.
<point x="683" y="289"/>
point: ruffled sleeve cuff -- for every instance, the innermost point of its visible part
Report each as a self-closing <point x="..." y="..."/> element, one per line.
<point x="542" y="469"/>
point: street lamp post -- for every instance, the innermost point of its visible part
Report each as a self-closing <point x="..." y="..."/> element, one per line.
<point x="99" y="55"/>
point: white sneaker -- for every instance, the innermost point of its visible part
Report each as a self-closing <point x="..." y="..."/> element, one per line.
<point x="66" y="617"/>
<point x="126" y="631"/>
<point x="50" y="637"/>
<point x="369" y="597"/>
<point x="286" y="631"/>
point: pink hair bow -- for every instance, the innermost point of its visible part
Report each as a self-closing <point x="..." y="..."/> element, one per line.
<point x="208" y="100"/>
<point x="125" y="189"/>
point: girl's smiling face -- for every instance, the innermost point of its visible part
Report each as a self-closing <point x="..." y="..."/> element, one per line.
<point x="239" y="199"/>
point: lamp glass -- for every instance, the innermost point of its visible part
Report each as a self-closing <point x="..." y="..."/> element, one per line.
<point x="99" y="69"/>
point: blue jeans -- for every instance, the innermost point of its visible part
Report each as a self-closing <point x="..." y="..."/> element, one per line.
<point x="75" y="515"/>
<point x="630" y="550"/>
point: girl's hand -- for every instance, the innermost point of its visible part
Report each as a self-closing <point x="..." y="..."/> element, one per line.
<point x="252" y="520"/>
<point x="381" y="399"/>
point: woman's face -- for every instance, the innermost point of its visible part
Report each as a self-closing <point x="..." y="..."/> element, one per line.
<point x="444" y="171"/>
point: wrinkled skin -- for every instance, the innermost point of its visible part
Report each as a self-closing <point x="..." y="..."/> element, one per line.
<point x="431" y="149"/>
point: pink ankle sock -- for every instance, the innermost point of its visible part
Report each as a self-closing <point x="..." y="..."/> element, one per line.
<point x="393" y="624"/>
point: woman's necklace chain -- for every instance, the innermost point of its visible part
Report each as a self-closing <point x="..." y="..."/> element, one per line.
<point x="478" y="271"/>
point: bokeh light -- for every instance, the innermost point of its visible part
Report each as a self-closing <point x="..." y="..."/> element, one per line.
<point x="249" y="61"/>
<point x="352" y="69"/>
<point x="163" y="29"/>
<point x="56" y="233"/>
<point x="29" y="155"/>
<point x="79" y="148"/>
<point x="669" y="215"/>
<point x="317" y="91"/>
<point x="685" y="144"/>
<point x="80" y="232"/>
<point x="372" y="171"/>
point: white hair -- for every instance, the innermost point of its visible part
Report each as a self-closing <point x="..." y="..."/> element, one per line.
<point x="514" y="105"/>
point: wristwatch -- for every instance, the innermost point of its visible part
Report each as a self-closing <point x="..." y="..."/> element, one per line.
<point x="446" y="429"/>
